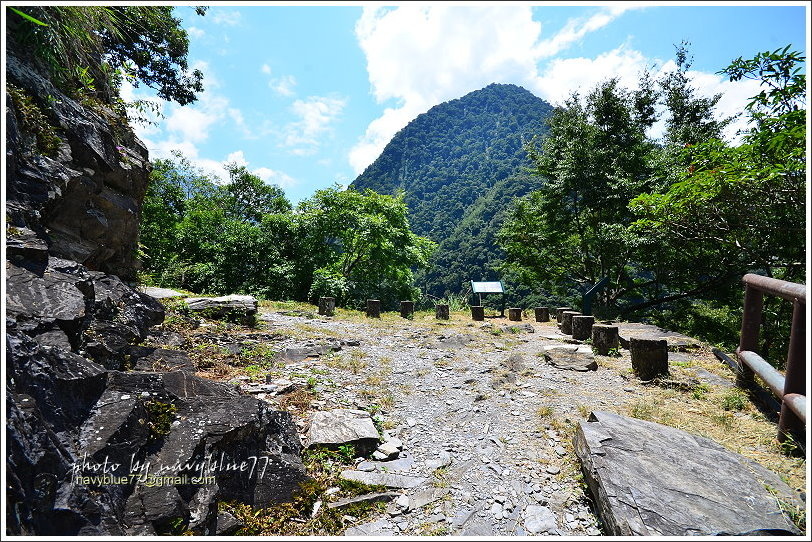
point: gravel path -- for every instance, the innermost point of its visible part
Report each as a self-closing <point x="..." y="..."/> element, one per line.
<point x="481" y="416"/>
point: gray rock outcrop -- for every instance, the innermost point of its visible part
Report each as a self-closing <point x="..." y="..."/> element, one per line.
<point x="241" y="308"/>
<point x="332" y="428"/>
<point x="570" y="356"/>
<point x="652" y="480"/>
<point x="105" y="437"/>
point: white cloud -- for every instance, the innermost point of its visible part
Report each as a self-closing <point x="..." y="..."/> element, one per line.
<point x="422" y="55"/>
<point x="265" y="69"/>
<point x="238" y="158"/>
<point x="419" y="56"/>
<point x="315" y="114"/>
<point x="192" y="122"/>
<point x="195" y="32"/>
<point x="575" y="29"/>
<point x="283" y="85"/>
<point x="226" y="18"/>
<point x="283" y="180"/>
<point x="563" y="76"/>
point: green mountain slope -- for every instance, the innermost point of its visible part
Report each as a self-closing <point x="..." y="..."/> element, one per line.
<point x="461" y="164"/>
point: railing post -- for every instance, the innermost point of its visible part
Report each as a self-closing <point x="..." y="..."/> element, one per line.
<point x="795" y="375"/>
<point x="751" y="323"/>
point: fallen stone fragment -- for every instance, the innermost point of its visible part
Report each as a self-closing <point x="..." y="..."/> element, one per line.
<point x="570" y="356"/>
<point x="227" y="524"/>
<point x="242" y="308"/>
<point x="427" y="496"/>
<point x="368" y="498"/>
<point x="443" y="460"/>
<point x="402" y="464"/>
<point x="159" y="360"/>
<point x="399" y="481"/>
<point x="648" y="479"/>
<point x="676" y="341"/>
<point x="380" y="527"/>
<point x="160" y="293"/>
<point x="303" y="353"/>
<point x="388" y="450"/>
<point x="539" y="519"/>
<point x="332" y="428"/>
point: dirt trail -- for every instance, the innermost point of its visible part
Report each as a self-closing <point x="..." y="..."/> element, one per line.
<point x="479" y="395"/>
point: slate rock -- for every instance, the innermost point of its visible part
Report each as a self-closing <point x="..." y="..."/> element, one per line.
<point x="379" y="527"/>
<point x="403" y="463"/>
<point x="160" y="293"/>
<point x="675" y="340"/>
<point x="227" y="524"/>
<point x="332" y="428"/>
<point x="539" y="519"/>
<point x="302" y="353"/>
<point x="398" y="481"/>
<point x="239" y="308"/>
<point x="570" y="356"/>
<point x="427" y="496"/>
<point x="366" y="498"/>
<point x="648" y="479"/>
<point x="161" y="360"/>
<point x="88" y="194"/>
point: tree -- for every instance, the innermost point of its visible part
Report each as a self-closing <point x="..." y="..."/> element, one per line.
<point x="91" y="48"/>
<point x="360" y="244"/>
<point x="691" y="118"/>
<point x="738" y="209"/>
<point x="745" y="203"/>
<point x="249" y="198"/>
<point x="571" y="233"/>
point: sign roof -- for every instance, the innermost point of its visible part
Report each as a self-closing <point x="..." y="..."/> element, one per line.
<point x="487" y="287"/>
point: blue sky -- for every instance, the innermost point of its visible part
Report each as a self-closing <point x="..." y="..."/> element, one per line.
<point x="307" y="96"/>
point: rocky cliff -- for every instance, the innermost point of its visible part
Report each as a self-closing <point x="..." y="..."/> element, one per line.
<point x="94" y="447"/>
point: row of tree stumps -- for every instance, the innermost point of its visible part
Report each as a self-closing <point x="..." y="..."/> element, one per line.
<point x="649" y="356"/>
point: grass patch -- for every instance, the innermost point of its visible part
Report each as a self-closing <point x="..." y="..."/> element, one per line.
<point x="734" y="400"/>
<point x="544" y="411"/>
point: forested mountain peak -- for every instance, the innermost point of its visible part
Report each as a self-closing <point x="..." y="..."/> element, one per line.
<point x="452" y="156"/>
<point x="447" y="157"/>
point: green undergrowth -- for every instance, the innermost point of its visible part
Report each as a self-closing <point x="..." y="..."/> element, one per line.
<point x="297" y="518"/>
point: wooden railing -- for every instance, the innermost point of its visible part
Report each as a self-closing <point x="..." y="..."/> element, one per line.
<point x="789" y="388"/>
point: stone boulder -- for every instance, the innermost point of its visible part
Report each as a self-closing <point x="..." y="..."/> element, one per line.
<point x="648" y="479"/>
<point x="88" y="195"/>
<point x="570" y="356"/>
<point x="103" y="452"/>
<point x="238" y="308"/>
<point x="63" y="304"/>
<point x="332" y="428"/>
<point x="93" y="449"/>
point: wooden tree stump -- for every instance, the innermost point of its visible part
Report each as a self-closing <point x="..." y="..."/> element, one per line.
<point x="649" y="357"/>
<point x="374" y="308"/>
<point x="566" y="321"/>
<point x="406" y="309"/>
<point x="542" y="314"/>
<point x="515" y="314"/>
<point x="582" y="327"/>
<point x="441" y="312"/>
<point x="559" y="311"/>
<point x="605" y="338"/>
<point x="327" y="306"/>
<point x="477" y="313"/>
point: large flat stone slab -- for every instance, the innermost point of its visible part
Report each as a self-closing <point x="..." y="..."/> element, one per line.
<point x="570" y="356"/>
<point x="652" y="480"/>
<point x="240" y="307"/>
<point x="160" y="293"/>
<point x="676" y="341"/>
<point x="398" y="481"/>
<point x="332" y="428"/>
